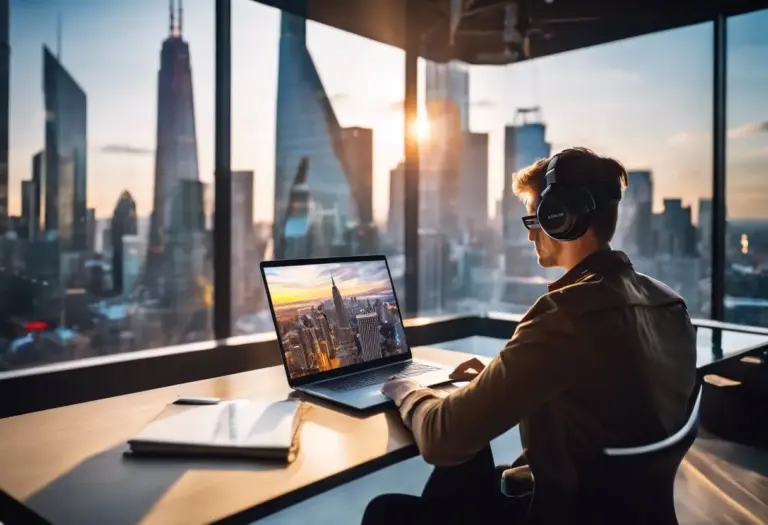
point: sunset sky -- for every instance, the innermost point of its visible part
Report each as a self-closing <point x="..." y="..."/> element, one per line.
<point x="310" y="284"/>
<point x="646" y="101"/>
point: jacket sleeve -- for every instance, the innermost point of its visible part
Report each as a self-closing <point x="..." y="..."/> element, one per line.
<point x="540" y="361"/>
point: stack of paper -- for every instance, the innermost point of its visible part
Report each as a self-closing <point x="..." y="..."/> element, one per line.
<point x="231" y="428"/>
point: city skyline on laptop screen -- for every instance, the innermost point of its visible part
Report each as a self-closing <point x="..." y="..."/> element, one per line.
<point x="334" y="315"/>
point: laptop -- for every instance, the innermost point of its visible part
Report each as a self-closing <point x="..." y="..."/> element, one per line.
<point x="340" y="331"/>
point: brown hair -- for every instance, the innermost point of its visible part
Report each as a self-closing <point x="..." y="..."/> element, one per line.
<point x="577" y="166"/>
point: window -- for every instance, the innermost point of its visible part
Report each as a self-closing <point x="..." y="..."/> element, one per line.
<point x="645" y="101"/>
<point x="317" y="144"/>
<point x="746" y="243"/>
<point x="106" y="243"/>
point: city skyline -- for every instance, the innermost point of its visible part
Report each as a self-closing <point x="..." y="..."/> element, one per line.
<point x="299" y="286"/>
<point x="673" y="144"/>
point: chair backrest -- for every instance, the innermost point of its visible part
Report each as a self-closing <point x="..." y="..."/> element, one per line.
<point x="686" y="433"/>
<point x="636" y="484"/>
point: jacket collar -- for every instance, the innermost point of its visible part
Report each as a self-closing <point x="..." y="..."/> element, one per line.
<point x="602" y="261"/>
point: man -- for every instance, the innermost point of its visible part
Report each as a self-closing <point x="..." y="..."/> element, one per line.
<point x="607" y="358"/>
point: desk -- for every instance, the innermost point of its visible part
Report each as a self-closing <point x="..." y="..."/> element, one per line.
<point x="66" y="464"/>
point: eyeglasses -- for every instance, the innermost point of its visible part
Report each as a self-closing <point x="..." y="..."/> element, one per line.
<point x="531" y="222"/>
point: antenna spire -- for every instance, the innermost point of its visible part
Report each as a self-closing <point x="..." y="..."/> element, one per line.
<point x="181" y="15"/>
<point x="172" y="23"/>
<point x="58" y="37"/>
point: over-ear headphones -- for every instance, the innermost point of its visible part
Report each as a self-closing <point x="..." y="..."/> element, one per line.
<point x="564" y="210"/>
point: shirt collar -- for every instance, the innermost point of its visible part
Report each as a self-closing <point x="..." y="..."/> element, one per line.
<point x="598" y="262"/>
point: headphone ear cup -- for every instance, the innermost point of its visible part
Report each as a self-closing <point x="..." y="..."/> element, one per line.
<point x="580" y="202"/>
<point x="579" y="228"/>
<point x="554" y="216"/>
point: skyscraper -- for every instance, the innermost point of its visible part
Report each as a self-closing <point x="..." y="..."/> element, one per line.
<point x="524" y="143"/>
<point x="65" y="155"/>
<point x="705" y="229"/>
<point x="38" y="181"/>
<point x="368" y="328"/>
<point x="308" y="133"/>
<point x="634" y="231"/>
<point x="358" y="144"/>
<point x="176" y="152"/>
<point x="473" y="186"/>
<point x="338" y="304"/>
<point x="177" y="268"/>
<point x="242" y="238"/>
<point x="676" y="230"/>
<point x="28" y="206"/>
<point x="123" y="224"/>
<point x="449" y="81"/>
<point x="5" y="75"/>
<point x="446" y="93"/>
<point x="90" y="226"/>
<point x="396" y="216"/>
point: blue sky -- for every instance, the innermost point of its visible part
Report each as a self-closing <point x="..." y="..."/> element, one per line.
<point x="646" y="101"/>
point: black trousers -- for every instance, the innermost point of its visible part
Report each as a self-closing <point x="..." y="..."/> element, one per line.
<point x="469" y="493"/>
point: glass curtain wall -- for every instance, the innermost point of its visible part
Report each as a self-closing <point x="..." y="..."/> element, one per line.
<point x="746" y="242"/>
<point x="646" y="101"/>
<point x="106" y="177"/>
<point x="317" y="150"/>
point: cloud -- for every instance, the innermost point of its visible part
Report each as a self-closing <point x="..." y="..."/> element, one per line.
<point x="749" y="129"/>
<point x="125" y="149"/>
<point x="688" y="137"/>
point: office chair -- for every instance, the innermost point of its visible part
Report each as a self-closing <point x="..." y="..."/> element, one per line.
<point x="634" y="485"/>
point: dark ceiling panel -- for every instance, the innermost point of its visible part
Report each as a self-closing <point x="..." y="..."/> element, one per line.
<point x="555" y="27"/>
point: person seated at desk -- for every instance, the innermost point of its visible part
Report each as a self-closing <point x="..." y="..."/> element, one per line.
<point x="606" y="358"/>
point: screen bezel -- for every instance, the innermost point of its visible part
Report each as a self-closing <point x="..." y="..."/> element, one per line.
<point x="330" y="374"/>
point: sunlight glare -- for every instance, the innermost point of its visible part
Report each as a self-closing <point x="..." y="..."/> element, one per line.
<point x="421" y="129"/>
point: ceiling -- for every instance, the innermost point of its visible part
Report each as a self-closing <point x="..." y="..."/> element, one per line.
<point x="541" y="27"/>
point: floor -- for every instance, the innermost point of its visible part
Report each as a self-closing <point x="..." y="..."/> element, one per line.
<point x="718" y="482"/>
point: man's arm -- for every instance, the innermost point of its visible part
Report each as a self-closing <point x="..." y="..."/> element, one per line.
<point x="539" y="362"/>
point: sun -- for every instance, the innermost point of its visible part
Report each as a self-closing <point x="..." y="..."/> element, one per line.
<point x="421" y="129"/>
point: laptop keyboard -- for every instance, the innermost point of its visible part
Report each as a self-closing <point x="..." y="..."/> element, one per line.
<point x="380" y="375"/>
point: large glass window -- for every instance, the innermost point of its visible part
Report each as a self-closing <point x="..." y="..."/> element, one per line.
<point x="746" y="243"/>
<point x="645" y="101"/>
<point x="317" y="146"/>
<point x="106" y="241"/>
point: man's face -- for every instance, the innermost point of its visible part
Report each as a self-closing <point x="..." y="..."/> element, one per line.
<point x="547" y="249"/>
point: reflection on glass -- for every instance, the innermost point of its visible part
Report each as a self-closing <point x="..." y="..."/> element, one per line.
<point x="488" y="122"/>
<point x="107" y="246"/>
<point x="318" y="125"/>
<point x="746" y="242"/>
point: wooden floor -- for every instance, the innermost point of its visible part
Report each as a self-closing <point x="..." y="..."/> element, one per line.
<point x="722" y="482"/>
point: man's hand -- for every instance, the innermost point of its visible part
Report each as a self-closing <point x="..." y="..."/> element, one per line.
<point x="468" y="370"/>
<point x="396" y="389"/>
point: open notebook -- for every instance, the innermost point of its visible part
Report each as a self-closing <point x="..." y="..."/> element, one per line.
<point x="245" y="429"/>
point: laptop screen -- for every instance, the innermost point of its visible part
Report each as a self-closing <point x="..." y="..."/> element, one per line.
<point x="334" y="315"/>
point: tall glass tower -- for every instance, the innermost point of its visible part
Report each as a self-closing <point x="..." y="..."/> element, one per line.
<point x="308" y="134"/>
<point x="176" y="152"/>
<point x="177" y="271"/>
<point x="65" y="182"/>
<point x="5" y="74"/>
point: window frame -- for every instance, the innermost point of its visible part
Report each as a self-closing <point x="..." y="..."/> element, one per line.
<point x="48" y="386"/>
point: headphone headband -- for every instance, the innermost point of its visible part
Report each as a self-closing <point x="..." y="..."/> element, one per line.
<point x="602" y="191"/>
